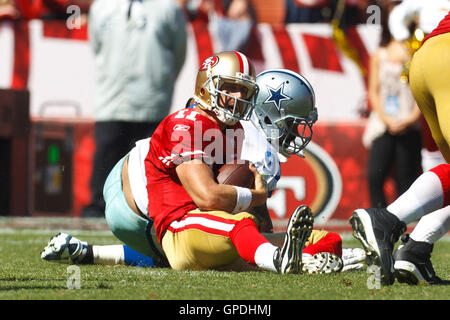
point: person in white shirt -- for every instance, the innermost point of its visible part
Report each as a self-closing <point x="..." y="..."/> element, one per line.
<point x="139" y="49"/>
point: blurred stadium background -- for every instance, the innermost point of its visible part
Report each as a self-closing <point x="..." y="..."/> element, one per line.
<point x="46" y="98"/>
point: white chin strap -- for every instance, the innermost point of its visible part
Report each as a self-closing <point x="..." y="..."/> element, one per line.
<point x="223" y="117"/>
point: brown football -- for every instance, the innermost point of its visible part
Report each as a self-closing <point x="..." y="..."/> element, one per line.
<point x="237" y="175"/>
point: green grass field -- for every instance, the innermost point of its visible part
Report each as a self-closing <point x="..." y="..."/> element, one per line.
<point x="24" y="276"/>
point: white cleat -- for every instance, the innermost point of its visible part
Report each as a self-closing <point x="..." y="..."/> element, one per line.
<point x="322" y="262"/>
<point x="353" y="258"/>
<point x="63" y="247"/>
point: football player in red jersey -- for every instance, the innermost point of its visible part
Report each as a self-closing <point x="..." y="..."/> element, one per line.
<point x="297" y="107"/>
<point x="202" y="224"/>
<point x="426" y="16"/>
<point x="428" y="198"/>
<point x="378" y="229"/>
<point x="431" y="87"/>
<point x="168" y="180"/>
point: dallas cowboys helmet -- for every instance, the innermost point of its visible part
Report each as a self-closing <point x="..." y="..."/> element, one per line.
<point x="285" y="109"/>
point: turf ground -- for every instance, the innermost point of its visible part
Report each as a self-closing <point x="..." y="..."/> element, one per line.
<point x="24" y="276"/>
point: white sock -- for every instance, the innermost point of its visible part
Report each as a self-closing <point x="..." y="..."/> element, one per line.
<point x="264" y="256"/>
<point x="424" y="196"/>
<point x="433" y="226"/>
<point x="109" y="255"/>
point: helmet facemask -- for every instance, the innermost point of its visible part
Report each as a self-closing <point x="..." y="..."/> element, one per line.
<point x="240" y="109"/>
<point x="297" y="133"/>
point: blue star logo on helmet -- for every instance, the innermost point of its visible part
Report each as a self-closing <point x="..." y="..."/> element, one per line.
<point x="277" y="95"/>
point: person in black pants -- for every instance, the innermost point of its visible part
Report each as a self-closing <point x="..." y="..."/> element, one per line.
<point x="392" y="133"/>
<point x="399" y="152"/>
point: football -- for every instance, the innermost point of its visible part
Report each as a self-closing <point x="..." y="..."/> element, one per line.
<point x="236" y="174"/>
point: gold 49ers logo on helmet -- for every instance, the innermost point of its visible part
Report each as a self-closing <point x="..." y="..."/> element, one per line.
<point x="209" y="62"/>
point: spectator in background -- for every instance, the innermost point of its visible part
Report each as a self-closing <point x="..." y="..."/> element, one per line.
<point x="302" y="11"/>
<point x="194" y="10"/>
<point x="231" y="20"/>
<point x="234" y="25"/>
<point x="139" y="49"/>
<point x="311" y="11"/>
<point x="393" y="132"/>
<point x="356" y="11"/>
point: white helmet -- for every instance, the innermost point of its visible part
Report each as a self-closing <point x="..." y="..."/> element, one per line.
<point x="285" y="109"/>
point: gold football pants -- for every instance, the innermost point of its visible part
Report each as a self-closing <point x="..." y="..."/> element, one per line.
<point x="430" y="84"/>
<point x="201" y="240"/>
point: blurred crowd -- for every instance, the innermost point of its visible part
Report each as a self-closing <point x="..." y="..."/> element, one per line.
<point x="254" y="11"/>
<point x="40" y="9"/>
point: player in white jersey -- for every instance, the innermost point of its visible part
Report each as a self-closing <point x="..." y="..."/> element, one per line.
<point x="281" y="126"/>
<point x="428" y="198"/>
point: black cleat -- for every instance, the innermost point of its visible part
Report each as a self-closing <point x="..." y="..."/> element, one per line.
<point x="378" y="230"/>
<point x="413" y="262"/>
<point x="288" y="259"/>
